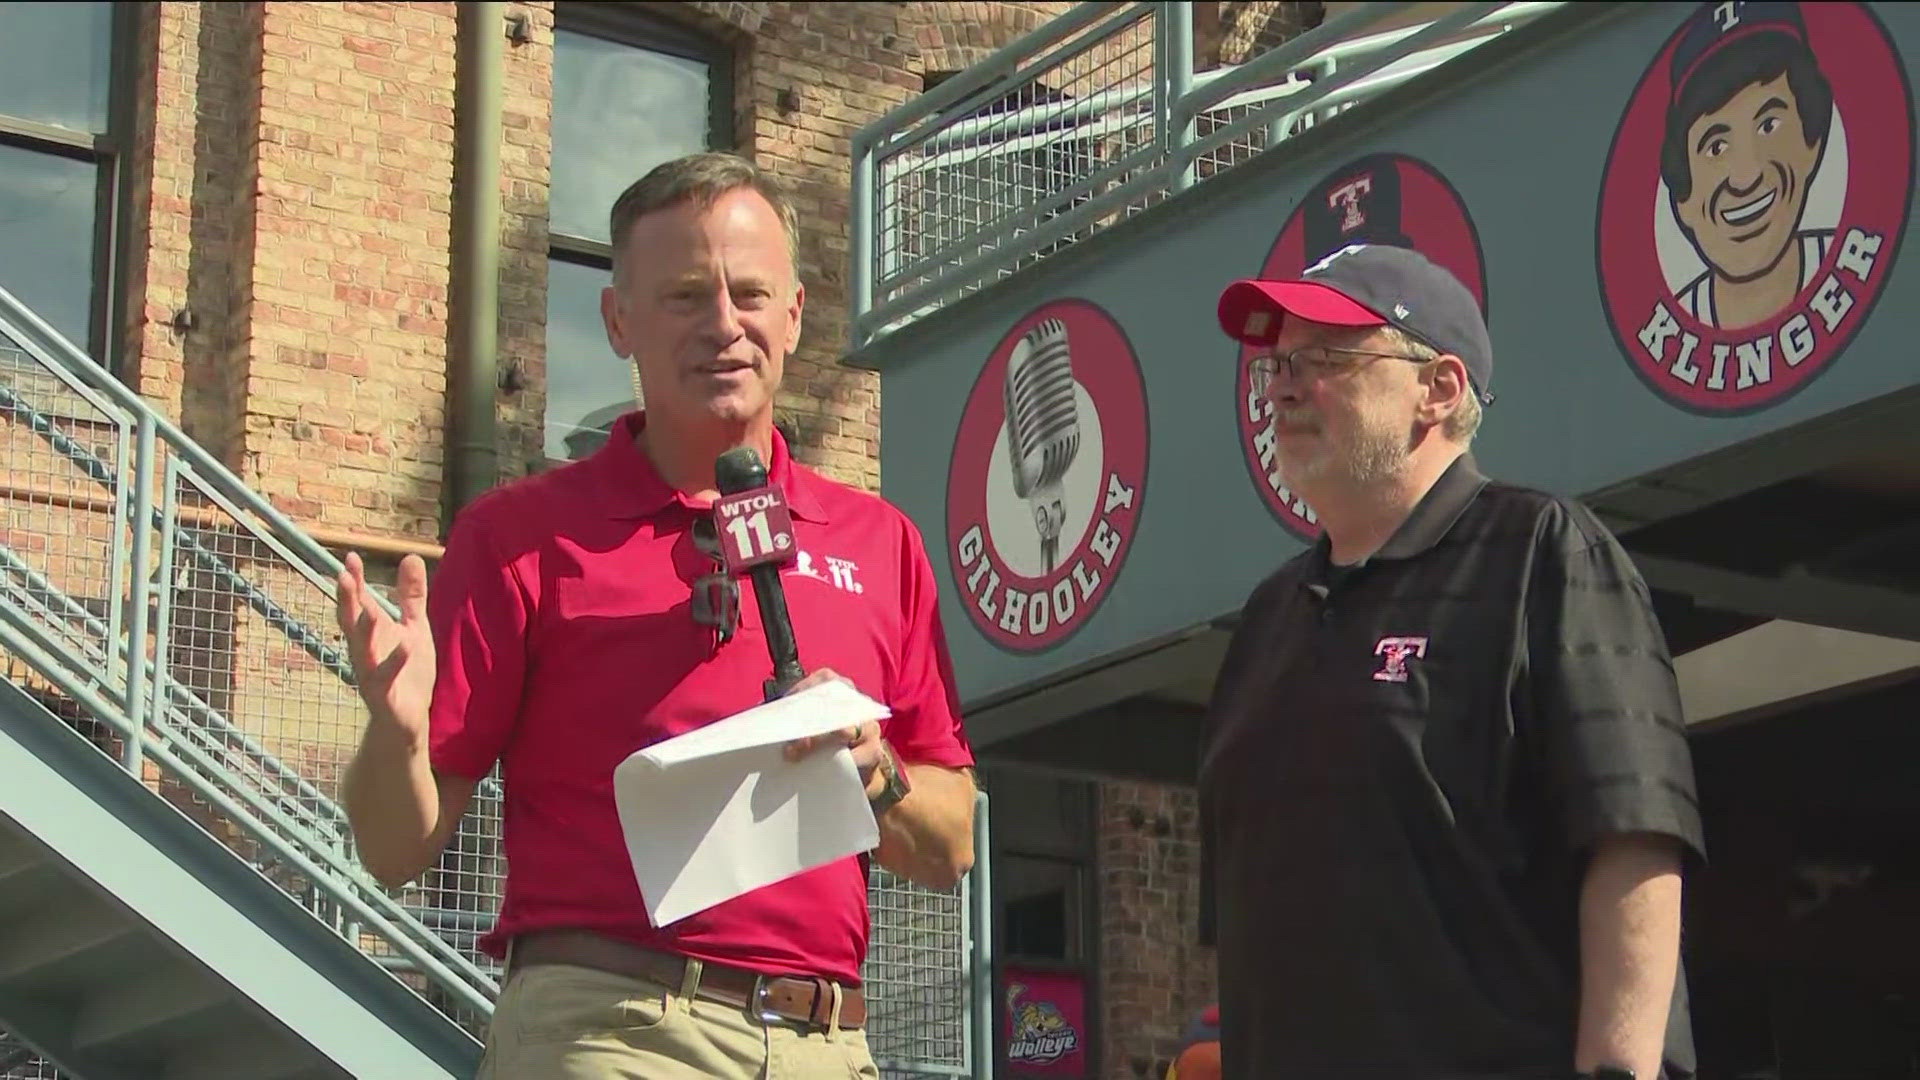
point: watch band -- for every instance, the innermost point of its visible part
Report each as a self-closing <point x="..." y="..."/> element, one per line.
<point x="897" y="784"/>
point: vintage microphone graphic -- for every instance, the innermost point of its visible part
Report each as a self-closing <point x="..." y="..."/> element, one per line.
<point x="1043" y="428"/>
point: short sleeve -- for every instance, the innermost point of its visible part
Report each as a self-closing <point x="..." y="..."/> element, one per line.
<point x="925" y="727"/>
<point x="479" y="614"/>
<point x="1605" y="718"/>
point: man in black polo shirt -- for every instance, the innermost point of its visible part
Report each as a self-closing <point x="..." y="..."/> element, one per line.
<point x="1446" y="792"/>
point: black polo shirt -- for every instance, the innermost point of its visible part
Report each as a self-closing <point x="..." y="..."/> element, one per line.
<point x="1407" y="762"/>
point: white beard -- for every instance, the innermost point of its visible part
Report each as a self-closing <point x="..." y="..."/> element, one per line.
<point x="1375" y="453"/>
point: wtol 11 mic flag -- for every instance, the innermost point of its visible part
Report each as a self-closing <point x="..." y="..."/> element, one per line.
<point x="756" y="536"/>
<point x="1043" y="428"/>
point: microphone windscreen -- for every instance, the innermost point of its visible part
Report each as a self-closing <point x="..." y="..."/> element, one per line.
<point x="739" y="469"/>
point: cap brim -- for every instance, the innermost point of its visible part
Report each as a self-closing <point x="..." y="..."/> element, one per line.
<point x="1250" y="310"/>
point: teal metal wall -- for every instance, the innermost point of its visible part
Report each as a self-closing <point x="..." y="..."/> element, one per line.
<point x="1533" y="135"/>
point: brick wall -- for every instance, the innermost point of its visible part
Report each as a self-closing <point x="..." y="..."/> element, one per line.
<point x="526" y="165"/>
<point x="347" y="340"/>
<point x="1235" y="31"/>
<point x="1154" y="974"/>
<point x="191" y="228"/>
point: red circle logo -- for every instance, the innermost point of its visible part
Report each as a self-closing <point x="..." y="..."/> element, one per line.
<point x="1049" y="470"/>
<point x="1755" y="196"/>
<point x="1377" y="199"/>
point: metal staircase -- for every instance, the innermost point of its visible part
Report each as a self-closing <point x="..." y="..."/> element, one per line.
<point x="179" y="895"/>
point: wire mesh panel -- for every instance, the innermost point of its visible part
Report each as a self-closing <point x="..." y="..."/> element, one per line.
<point x="59" y="528"/>
<point x="917" y="978"/>
<point x="18" y="1061"/>
<point x="1103" y="119"/>
<point x="153" y="587"/>
<point x="1009" y="159"/>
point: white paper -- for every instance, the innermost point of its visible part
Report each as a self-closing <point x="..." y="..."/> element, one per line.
<point x="719" y="811"/>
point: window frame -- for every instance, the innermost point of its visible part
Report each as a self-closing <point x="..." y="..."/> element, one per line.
<point x="1082" y="855"/>
<point x="651" y="32"/>
<point x="625" y="25"/>
<point x="109" y="154"/>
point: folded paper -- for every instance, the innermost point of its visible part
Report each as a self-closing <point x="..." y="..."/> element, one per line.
<point x="719" y="811"/>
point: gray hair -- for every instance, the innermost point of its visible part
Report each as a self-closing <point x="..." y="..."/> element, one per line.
<point x="701" y="178"/>
<point x="1460" y="424"/>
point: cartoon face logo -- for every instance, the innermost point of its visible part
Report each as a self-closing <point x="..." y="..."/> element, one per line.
<point x="1048" y="474"/>
<point x="1755" y="193"/>
<point x="1378" y="199"/>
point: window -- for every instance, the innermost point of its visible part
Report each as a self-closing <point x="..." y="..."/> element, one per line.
<point x="1042" y="865"/>
<point x="61" y="125"/>
<point x="630" y="91"/>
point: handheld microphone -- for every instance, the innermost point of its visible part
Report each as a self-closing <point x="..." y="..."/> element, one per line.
<point x="756" y="537"/>
<point x="1043" y="428"/>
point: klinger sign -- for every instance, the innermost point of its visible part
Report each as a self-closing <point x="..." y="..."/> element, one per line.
<point x="1378" y="199"/>
<point x="1048" y="475"/>
<point x="1754" y="200"/>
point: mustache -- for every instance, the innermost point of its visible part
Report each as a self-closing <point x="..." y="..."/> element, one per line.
<point x="1298" y="417"/>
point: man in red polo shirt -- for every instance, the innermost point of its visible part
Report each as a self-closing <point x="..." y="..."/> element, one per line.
<point x="582" y="614"/>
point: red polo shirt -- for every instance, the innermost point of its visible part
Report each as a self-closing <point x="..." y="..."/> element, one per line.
<point x="561" y="613"/>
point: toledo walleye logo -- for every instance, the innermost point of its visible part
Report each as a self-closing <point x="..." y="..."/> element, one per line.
<point x="1041" y="1035"/>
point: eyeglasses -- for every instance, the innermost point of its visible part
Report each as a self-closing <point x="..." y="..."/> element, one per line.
<point x="716" y="595"/>
<point x="1314" y="360"/>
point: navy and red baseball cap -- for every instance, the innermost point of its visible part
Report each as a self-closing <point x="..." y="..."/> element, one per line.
<point x="1369" y="285"/>
<point x="1715" y="26"/>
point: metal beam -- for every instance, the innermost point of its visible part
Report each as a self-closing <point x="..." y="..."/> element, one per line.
<point x="1173" y="661"/>
<point x="1141" y="738"/>
<point x="1798" y="597"/>
<point x="1874" y="427"/>
<point x="1782" y="665"/>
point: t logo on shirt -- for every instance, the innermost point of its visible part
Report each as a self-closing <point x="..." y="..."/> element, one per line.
<point x="1397" y="650"/>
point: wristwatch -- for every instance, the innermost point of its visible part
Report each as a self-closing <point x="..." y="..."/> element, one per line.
<point x="896" y="777"/>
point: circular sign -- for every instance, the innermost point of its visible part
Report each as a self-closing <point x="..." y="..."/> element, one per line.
<point x="1048" y="472"/>
<point x="1754" y="200"/>
<point x="1378" y="199"/>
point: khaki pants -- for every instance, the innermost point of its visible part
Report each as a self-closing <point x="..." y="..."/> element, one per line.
<point x="557" y="1022"/>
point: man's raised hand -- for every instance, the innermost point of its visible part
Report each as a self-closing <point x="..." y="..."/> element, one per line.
<point x="393" y="661"/>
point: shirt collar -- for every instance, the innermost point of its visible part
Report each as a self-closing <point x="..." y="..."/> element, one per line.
<point x="1430" y="520"/>
<point x="630" y="487"/>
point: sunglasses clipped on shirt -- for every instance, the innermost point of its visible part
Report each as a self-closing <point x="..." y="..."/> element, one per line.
<point x="716" y="595"/>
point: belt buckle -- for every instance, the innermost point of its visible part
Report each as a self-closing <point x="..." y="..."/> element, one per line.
<point x="766" y="1015"/>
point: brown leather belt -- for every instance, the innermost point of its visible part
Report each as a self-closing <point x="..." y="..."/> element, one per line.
<point x="795" y="1000"/>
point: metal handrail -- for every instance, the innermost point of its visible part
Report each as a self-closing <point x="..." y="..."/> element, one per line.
<point x="199" y="714"/>
<point x="1343" y="78"/>
<point x="239" y="500"/>
<point x="198" y="749"/>
<point x="21" y="641"/>
<point x="983" y="74"/>
<point x="1273" y="97"/>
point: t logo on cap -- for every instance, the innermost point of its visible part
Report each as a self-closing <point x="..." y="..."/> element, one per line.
<point x="1348" y="196"/>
